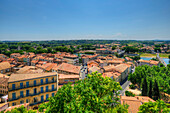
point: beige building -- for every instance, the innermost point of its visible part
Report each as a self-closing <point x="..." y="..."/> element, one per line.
<point x="31" y="88"/>
<point x="3" y="84"/>
<point x="5" y="67"/>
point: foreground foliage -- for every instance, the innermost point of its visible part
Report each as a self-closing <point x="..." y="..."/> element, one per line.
<point x="155" y="73"/>
<point x="93" y="94"/>
<point x="21" y="109"/>
<point x="154" y="107"/>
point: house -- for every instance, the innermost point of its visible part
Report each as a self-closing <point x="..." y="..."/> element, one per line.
<point x="31" y="88"/>
<point x="114" y="62"/>
<point x="128" y="59"/>
<point x="92" y="63"/>
<point x="94" y="69"/>
<point x="143" y="62"/>
<point x="122" y="69"/>
<point x="3" y="84"/>
<point x="71" y="59"/>
<point x="5" y="67"/>
<point x="108" y="68"/>
<point x="86" y="58"/>
<point x="153" y="62"/>
<point x="64" y="79"/>
<point x="47" y="66"/>
<point x="134" y="102"/>
<point x="15" y="55"/>
<point x="113" y="75"/>
<point x="66" y="68"/>
<point x="29" y="69"/>
<point x="148" y="62"/>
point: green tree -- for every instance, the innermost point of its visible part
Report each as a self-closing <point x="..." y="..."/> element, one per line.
<point x="144" y="87"/>
<point x="156" y="93"/>
<point x="154" y="107"/>
<point x="21" y="109"/>
<point x="113" y="47"/>
<point x="150" y="89"/>
<point x="118" y="109"/>
<point x="93" y="94"/>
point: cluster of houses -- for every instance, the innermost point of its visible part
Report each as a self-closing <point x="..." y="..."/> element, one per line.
<point x="33" y="78"/>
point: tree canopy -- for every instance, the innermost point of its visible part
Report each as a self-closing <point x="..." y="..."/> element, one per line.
<point x="21" y="109"/>
<point x="160" y="76"/>
<point x="154" y="107"/>
<point x="93" y="94"/>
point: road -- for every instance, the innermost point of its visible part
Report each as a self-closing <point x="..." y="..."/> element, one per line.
<point x="125" y="85"/>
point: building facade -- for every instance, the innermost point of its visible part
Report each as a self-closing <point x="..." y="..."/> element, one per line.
<point x="31" y="88"/>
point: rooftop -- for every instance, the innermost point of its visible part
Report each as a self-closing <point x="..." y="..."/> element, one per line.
<point x="21" y="77"/>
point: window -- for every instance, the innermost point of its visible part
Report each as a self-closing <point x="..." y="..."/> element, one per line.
<point x="42" y="98"/>
<point x="46" y="88"/>
<point x="35" y="99"/>
<point x="47" y="96"/>
<point x="13" y="95"/>
<point x="21" y="85"/>
<point x="22" y="101"/>
<point x="42" y="90"/>
<point x="27" y="84"/>
<point x="27" y="92"/>
<point x="21" y="93"/>
<point x="13" y="86"/>
<point x="34" y="82"/>
<point x="53" y="79"/>
<point x="41" y="81"/>
<point x="35" y="91"/>
<point x="53" y="87"/>
<point x="27" y="101"/>
<point x="46" y="80"/>
<point x="1" y="71"/>
<point x="52" y="94"/>
<point x="13" y="104"/>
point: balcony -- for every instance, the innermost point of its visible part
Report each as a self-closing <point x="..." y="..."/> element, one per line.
<point x="31" y="94"/>
<point x="32" y="85"/>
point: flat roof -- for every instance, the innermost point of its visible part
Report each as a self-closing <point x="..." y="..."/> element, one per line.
<point x="22" y="77"/>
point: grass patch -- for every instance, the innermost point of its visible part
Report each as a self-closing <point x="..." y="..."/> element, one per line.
<point x="163" y="55"/>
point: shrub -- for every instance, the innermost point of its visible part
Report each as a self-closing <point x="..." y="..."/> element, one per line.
<point x="128" y="93"/>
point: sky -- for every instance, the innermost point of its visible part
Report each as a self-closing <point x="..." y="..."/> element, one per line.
<point x="84" y="19"/>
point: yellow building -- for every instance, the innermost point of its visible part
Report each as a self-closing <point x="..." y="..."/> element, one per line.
<point x="31" y="88"/>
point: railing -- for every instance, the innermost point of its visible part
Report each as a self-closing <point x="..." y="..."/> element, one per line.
<point x="32" y="85"/>
<point x="31" y="94"/>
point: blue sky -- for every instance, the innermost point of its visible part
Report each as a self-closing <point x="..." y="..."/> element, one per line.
<point x="84" y="19"/>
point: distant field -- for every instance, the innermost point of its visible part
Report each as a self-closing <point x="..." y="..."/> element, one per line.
<point x="154" y="55"/>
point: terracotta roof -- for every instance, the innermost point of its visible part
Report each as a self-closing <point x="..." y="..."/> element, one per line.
<point x="146" y="61"/>
<point x="109" y="68"/>
<point x="64" y="76"/>
<point x="24" y="69"/>
<point x="101" y="49"/>
<point x="20" y="77"/>
<point x="129" y="59"/>
<point x="69" y="68"/>
<point x="154" y="62"/>
<point x="121" y="68"/>
<point x="17" y="54"/>
<point x="115" y="61"/>
<point x="134" y="102"/>
<point x="4" y="65"/>
<point x="4" y="79"/>
<point x="94" y="68"/>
